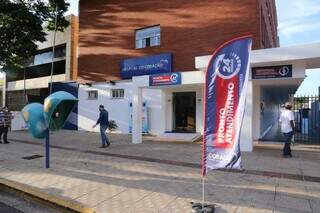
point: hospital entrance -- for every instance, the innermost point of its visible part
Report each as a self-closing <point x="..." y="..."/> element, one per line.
<point x="272" y="99"/>
<point x="184" y="112"/>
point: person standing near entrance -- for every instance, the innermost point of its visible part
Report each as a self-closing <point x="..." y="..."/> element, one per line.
<point x="5" y="124"/>
<point x="103" y="121"/>
<point x="287" y="128"/>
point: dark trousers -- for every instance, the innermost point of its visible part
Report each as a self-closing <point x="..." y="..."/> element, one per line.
<point x="104" y="137"/>
<point x="4" y="131"/>
<point x="287" y="149"/>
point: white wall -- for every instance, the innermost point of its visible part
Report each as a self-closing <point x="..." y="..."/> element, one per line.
<point x="156" y="100"/>
<point x="118" y="108"/>
<point x="17" y="121"/>
<point x="88" y="111"/>
<point x="35" y="83"/>
<point x="246" y="139"/>
<point x="256" y="99"/>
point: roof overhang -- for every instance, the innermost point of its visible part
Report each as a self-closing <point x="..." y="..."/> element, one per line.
<point x="307" y="54"/>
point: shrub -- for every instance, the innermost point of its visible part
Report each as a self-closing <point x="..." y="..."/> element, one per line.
<point x="112" y="125"/>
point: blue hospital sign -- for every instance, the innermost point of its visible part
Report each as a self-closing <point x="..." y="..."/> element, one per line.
<point x="155" y="64"/>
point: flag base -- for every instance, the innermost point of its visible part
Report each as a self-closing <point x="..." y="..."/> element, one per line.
<point x="202" y="208"/>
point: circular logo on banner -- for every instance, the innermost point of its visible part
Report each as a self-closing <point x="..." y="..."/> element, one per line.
<point x="174" y="78"/>
<point x="283" y="71"/>
<point x="228" y="65"/>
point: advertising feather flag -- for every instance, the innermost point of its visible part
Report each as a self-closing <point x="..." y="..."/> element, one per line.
<point x="225" y="92"/>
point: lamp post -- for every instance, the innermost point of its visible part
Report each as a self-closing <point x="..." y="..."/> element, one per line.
<point x="51" y="79"/>
<point x="53" y="46"/>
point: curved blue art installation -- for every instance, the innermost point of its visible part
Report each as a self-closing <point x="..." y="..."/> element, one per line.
<point x="53" y="114"/>
<point x="41" y="119"/>
<point x="57" y="108"/>
<point x="34" y="118"/>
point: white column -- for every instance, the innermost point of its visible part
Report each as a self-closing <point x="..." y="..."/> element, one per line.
<point x="169" y="111"/>
<point x="137" y="115"/>
<point x="246" y="139"/>
<point x="199" y="106"/>
<point x="4" y="89"/>
<point x="256" y="93"/>
<point x="163" y="117"/>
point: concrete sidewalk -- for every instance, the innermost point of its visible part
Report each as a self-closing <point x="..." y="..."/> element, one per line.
<point x="123" y="178"/>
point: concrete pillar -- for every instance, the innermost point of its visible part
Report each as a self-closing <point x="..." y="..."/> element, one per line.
<point x="137" y="115"/>
<point x="199" y="112"/>
<point x="256" y="93"/>
<point x="4" y="89"/>
<point x="246" y="139"/>
<point x="169" y="111"/>
<point x="163" y="111"/>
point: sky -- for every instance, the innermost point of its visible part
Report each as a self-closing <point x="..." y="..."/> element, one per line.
<point x="299" y="23"/>
<point x="73" y="9"/>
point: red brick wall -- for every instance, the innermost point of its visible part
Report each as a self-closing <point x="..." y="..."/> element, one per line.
<point x="189" y="28"/>
<point x="268" y="24"/>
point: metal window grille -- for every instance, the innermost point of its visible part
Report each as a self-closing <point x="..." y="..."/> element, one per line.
<point x="307" y="119"/>
<point x="147" y="37"/>
<point x="93" y="95"/>
<point x="118" y="93"/>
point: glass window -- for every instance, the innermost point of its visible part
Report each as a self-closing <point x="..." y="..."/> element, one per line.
<point x="46" y="56"/>
<point x="43" y="58"/>
<point x="60" y="52"/>
<point x="93" y="95"/>
<point x="117" y="93"/>
<point x="38" y="71"/>
<point x="148" y="37"/>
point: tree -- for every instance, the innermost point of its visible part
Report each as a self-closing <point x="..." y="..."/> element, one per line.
<point x="22" y="24"/>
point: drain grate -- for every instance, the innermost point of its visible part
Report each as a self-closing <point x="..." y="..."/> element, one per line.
<point x="32" y="157"/>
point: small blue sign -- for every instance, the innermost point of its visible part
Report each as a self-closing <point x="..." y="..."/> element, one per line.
<point x="165" y="79"/>
<point x="149" y="65"/>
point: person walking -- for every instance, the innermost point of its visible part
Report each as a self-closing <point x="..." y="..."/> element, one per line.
<point x="5" y="124"/>
<point x="287" y="128"/>
<point x="1" y="123"/>
<point x="103" y="121"/>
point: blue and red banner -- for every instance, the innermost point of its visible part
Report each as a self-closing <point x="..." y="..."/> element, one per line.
<point x="225" y="91"/>
<point x="165" y="79"/>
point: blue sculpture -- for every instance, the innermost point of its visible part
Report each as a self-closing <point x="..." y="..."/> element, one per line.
<point x="40" y="119"/>
<point x="34" y="118"/>
<point x="57" y="108"/>
<point x="52" y="115"/>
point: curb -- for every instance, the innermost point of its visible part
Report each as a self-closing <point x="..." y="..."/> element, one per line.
<point x="55" y="200"/>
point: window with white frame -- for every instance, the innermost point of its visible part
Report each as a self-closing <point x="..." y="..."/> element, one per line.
<point x="148" y="37"/>
<point x="117" y="93"/>
<point x="92" y="95"/>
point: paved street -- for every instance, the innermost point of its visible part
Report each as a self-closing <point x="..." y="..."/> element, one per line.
<point x="14" y="203"/>
<point x="8" y="209"/>
<point x="161" y="176"/>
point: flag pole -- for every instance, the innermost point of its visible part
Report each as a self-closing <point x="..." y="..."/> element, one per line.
<point x="202" y="192"/>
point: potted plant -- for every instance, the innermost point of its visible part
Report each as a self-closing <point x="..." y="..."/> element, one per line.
<point x="112" y="126"/>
